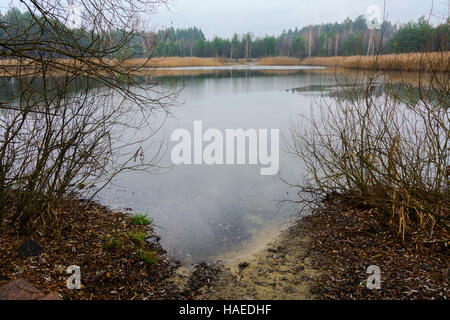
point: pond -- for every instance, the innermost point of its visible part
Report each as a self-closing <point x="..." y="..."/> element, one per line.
<point x="204" y="212"/>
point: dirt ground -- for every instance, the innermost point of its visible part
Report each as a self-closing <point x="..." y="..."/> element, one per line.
<point x="281" y="270"/>
<point x="327" y="256"/>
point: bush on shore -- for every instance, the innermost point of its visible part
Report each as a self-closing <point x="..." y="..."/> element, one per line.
<point x="383" y="146"/>
<point x="413" y="62"/>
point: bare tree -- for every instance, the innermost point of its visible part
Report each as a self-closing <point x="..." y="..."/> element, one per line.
<point x="382" y="139"/>
<point x="383" y="142"/>
<point x="72" y="115"/>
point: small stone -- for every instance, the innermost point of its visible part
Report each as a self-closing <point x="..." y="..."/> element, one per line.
<point x="29" y="248"/>
<point x="21" y="289"/>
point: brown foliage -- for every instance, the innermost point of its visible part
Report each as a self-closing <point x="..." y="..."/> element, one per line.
<point x="66" y="105"/>
<point x="415" y="62"/>
<point x="384" y="145"/>
<point x="279" y="61"/>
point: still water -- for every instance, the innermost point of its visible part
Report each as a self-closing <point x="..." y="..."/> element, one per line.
<point x="202" y="212"/>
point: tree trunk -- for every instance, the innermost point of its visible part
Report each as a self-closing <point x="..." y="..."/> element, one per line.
<point x="310" y="41"/>
<point x="336" y="45"/>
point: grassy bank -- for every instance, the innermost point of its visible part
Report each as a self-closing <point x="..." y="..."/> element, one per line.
<point x="413" y="62"/>
<point x="177" y="62"/>
<point x="24" y="67"/>
<point x="11" y="68"/>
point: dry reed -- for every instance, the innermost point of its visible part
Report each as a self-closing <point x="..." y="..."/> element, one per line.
<point x="279" y="61"/>
<point x="413" y="62"/>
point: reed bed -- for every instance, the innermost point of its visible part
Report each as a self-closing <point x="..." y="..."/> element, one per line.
<point x="23" y="67"/>
<point x="413" y="62"/>
<point x="174" y="62"/>
<point x="169" y="62"/>
<point x="279" y="61"/>
<point x="409" y="62"/>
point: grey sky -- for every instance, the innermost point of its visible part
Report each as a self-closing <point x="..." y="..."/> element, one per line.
<point x="225" y="17"/>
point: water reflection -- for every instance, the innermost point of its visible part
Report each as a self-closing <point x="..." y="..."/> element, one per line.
<point x="203" y="211"/>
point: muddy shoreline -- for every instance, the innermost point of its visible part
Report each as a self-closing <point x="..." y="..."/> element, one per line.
<point x="321" y="256"/>
<point x="282" y="269"/>
<point x="119" y="258"/>
<point x="326" y="256"/>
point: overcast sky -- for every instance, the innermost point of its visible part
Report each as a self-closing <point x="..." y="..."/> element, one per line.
<point x="225" y="17"/>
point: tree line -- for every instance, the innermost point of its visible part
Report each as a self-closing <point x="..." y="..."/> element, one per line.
<point x="350" y="37"/>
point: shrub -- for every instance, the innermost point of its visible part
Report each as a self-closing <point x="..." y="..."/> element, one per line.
<point x="65" y="105"/>
<point x="385" y="146"/>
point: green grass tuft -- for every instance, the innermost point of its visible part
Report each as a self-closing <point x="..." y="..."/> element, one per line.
<point x="149" y="257"/>
<point x="137" y="238"/>
<point x="141" y="219"/>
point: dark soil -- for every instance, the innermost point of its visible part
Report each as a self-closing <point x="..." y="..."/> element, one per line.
<point x="202" y="278"/>
<point x="347" y="240"/>
<point x="335" y="246"/>
<point x="326" y="256"/>
<point x="107" y="272"/>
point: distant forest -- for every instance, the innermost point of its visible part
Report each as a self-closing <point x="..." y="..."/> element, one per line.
<point x="351" y="37"/>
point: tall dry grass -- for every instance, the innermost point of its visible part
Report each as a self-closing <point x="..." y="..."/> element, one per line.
<point x="164" y="62"/>
<point x="279" y="61"/>
<point x="9" y="68"/>
<point x="411" y="62"/>
<point x="174" y="62"/>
